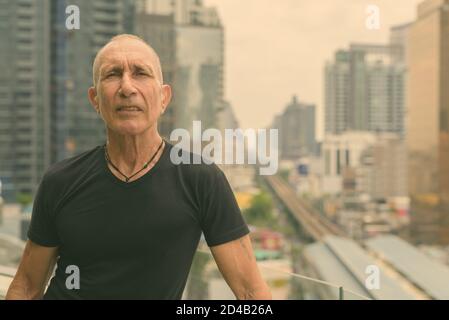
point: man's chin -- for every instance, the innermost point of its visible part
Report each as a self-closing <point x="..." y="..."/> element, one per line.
<point x="130" y="129"/>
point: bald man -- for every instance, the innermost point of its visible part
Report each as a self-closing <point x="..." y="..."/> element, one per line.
<point x="121" y="221"/>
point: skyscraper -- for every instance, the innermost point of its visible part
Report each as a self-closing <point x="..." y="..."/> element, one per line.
<point x="364" y="89"/>
<point x="296" y="127"/>
<point x="78" y="126"/>
<point x="199" y="59"/>
<point x="24" y="94"/>
<point x="159" y="31"/>
<point x="226" y="118"/>
<point x="398" y="38"/>
<point x="45" y="115"/>
<point x="428" y="122"/>
<point x="184" y="11"/>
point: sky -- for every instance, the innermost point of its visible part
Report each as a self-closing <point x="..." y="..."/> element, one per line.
<point x="275" y="49"/>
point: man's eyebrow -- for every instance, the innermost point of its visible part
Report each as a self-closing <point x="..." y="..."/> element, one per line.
<point x="119" y="68"/>
<point x="111" y="67"/>
<point x="143" y="67"/>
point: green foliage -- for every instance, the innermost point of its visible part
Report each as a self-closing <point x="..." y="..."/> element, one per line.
<point x="260" y="212"/>
<point x="284" y="173"/>
<point x="24" y="199"/>
<point x="297" y="285"/>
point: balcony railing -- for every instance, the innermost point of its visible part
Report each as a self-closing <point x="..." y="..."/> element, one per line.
<point x="205" y="282"/>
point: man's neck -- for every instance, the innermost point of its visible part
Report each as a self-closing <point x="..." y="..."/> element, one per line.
<point x="129" y="153"/>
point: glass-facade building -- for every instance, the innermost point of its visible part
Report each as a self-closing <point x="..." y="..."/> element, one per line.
<point x="24" y="94"/>
<point x="199" y="85"/>
<point x="159" y="31"/>
<point x="428" y="123"/>
<point x="364" y="89"/>
<point x="45" y="115"/>
<point x="78" y="126"/>
<point x="197" y="42"/>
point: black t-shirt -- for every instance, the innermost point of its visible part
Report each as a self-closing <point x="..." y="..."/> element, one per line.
<point x="130" y="240"/>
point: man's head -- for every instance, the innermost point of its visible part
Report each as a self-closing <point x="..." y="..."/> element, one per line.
<point x="128" y="89"/>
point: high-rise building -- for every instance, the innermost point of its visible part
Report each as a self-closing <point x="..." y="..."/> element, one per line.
<point x="226" y="118"/>
<point x="159" y="31"/>
<point x="398" y="39"/>
<point x="199" y="60"/>
<point x="45" y="115"/>
<point x="364" y="89"/>
<point x="24" y="98"/>
<point x="185" y="12"/>
<point x="78" y="126"/>
<point x="337" y="93"/>
<point x="296" y="127"/>
<point x="428" y="122"/>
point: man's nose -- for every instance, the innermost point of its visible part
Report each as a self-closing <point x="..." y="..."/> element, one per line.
<point x="127" y="87"/>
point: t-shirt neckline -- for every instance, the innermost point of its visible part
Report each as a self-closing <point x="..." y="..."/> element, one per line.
<point x="143" y="178"/>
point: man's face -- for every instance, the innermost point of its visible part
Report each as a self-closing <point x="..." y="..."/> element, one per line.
<point x="129" y="94"/>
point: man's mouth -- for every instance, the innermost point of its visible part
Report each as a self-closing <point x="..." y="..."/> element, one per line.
<point x="128" y="109"/>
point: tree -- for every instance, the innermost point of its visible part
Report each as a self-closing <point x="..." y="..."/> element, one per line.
<point x="24" y="199"/>
<point x="260" y="212"/>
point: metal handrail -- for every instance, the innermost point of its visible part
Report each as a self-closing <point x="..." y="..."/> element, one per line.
<point x="10" y="272"/>
<point x="340" y="288"/>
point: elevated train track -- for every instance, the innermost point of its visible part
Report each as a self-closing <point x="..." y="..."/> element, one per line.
<point x="313" y="223"/>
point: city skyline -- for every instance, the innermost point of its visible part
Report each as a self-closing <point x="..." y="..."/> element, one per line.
<point x="328" y="132"/>
<point x="246" y="39"/>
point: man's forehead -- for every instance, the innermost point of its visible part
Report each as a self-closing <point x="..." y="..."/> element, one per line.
<point x="120" y="63"/>
<point x="122" y="51"/>
<point x="128" y="45"/>
<point x="126" y="51"/>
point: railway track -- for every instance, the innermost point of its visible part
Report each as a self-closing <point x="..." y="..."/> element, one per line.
<point x="314" y="223"/>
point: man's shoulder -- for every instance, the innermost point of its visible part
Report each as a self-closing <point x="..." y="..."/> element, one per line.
<point x="71" y="167"/>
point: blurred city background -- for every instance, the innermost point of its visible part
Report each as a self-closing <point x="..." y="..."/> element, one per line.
<point x="359" y="91"/>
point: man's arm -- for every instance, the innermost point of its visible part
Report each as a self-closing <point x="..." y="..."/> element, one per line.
<point x="34" y="271"/>
<point x="237" y="263"/>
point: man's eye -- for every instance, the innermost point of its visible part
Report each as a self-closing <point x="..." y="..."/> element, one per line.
<point x="142" y="73"/>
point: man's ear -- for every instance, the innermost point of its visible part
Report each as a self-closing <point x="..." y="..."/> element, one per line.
<point x="93" y="98"/>
<point x="166" y="96"/>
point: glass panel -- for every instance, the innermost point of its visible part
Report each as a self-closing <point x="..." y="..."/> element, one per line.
<point x="206" y="282"/>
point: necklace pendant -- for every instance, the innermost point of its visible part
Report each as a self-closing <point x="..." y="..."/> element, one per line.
<point x="106" y="155"/>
